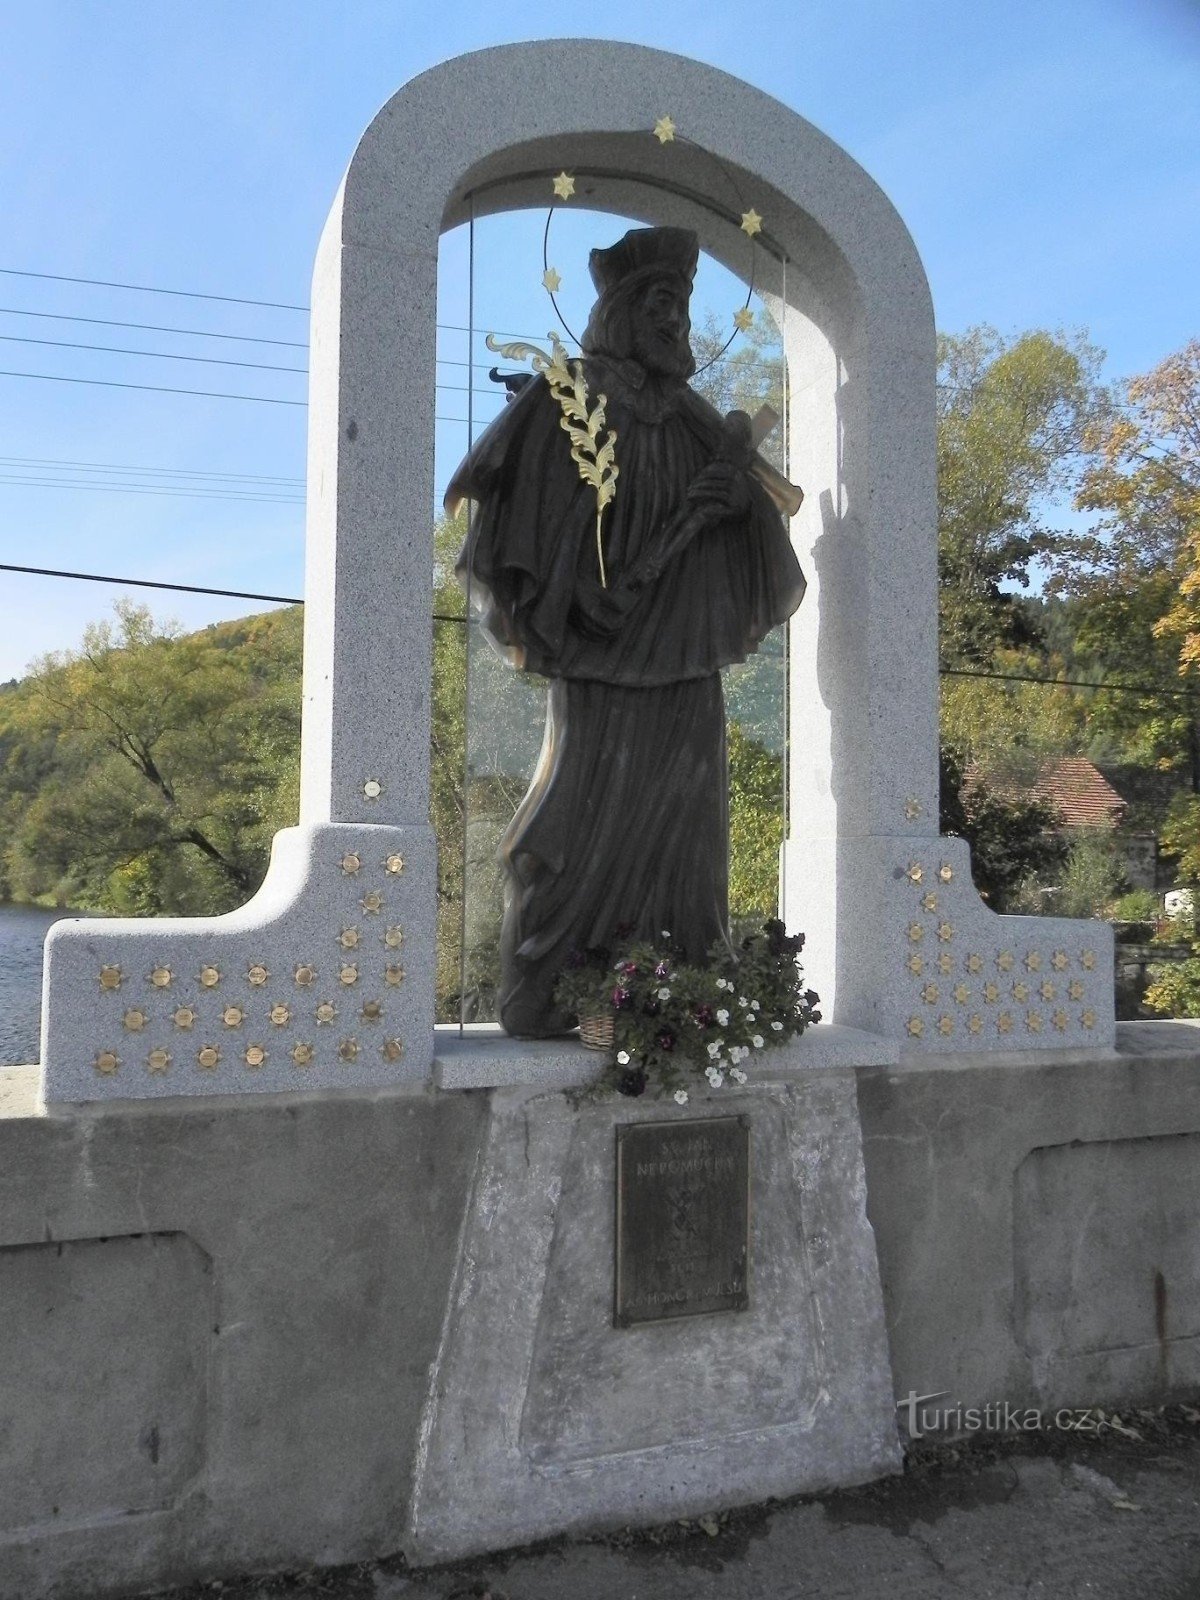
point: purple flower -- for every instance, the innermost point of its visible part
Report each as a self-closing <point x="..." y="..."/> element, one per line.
<point x="704" y="1016"/>
<point x="621" y="998"/>
<point x="662" y="970"/>
<point x="666" y="1040"/>
<point x="627" y="967"/>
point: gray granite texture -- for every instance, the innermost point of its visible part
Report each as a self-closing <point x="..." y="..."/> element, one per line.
<point x="324" y="980"/>
<point x="542" y="1417"/>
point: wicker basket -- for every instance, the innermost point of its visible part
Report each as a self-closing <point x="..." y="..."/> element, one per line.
<point x="597" y="1032"/>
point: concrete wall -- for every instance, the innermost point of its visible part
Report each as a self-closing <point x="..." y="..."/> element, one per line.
<point x="216" y="1323"/>
<point x="217" y="1319"/>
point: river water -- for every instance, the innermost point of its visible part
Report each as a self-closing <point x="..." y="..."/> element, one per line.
<point x="22" y="930"/>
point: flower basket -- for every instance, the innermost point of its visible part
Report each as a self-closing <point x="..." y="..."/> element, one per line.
<point x="597" y="1032"/>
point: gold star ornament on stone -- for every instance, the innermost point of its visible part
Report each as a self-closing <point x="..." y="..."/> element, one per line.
<point x="912" y="808"/>
<point x="664" y="130"/>
<point x="281" y="1015"/>
<point x="372" y="788"/>
<point x="255" y="1055"/>
<point x="743" y="320"/>
<point x="916" y="964"/>
<point x="257" y="975"/>
<point x="551" y="280"/>
<point x="751" y="222"/>
<point x="945" y="964"/>
<point x="915" y="871"/>
<point x="929" y="901"/>
<point x="110" y="977"/>
<point x="158" y="1060"/>
<point x="107" y="1062"/>
<point x="916" y="1027"/>
<point x="394" y="864"/>
<point x="564" y="186"/>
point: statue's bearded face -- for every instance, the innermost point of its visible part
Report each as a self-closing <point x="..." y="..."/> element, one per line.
<point x="660" y="327"/>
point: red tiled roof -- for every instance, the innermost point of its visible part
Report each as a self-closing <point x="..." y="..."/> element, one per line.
<point x="1081" y="793"/>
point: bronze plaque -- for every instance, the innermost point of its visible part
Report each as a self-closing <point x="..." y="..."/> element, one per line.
<point x="683" y="1218"/>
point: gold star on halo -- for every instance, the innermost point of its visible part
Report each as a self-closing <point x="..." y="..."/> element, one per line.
<point x="751" y="222"/>
<point x="664" y="130"/>
<point x="158" y="1060"/>
<point x="916" y="1027"/>
<point x="551" y="280"/>
<point x="107" y="1062"/>
<point x="916" y="964"/>
<point x="945" y="963"/>
<point x="743" y="320"/>
<point x="564" y="186"/>
<point x="255" y="1055"/>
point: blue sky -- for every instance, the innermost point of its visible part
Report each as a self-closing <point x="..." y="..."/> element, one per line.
<point x="1046" y="158"/>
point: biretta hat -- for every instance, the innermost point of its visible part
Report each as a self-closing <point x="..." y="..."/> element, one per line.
<point x="667" y="249"/>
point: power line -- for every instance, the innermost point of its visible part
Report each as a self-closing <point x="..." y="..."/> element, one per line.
<point x="1073" y="683"/>
<point x="157" y="355"/>
<point x="145" y="583"/>
<point x="181" y="493"/>
<point x="153" y="327"/>
<point x="149" y="288"/>
<point x="151" y="388"/>
<point x="114" y="466"/>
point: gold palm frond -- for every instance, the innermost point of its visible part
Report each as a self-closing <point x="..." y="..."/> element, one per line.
<point x="593" y="443"/>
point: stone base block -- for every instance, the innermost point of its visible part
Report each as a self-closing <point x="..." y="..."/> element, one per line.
<point x="542" y="1417"/>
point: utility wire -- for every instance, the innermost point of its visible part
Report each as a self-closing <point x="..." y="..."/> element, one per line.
<point x="149" y="288"/>
<point x="116" y="466"/>
<point x="153" y="327"/>
<point x="181" y="493"/>
<point x="145" y="583"/>
<point x="158" y="355"/>
<point x="1153" y="689"/>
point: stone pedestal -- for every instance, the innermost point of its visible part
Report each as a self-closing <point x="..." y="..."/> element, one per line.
<point x="542" y="1417"/>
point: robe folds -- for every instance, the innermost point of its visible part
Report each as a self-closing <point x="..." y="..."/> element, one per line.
<point x="625" y="824"/>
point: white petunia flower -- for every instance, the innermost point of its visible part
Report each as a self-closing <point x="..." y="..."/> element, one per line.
<point x="714" y="1049"/>
<point x="737" y="1074"/>
<point x="665" y="934"/>
<point x="751" y="1019"/>
<point x="742" y="1001"/>
<point x="681" y="1097"/>
<point x="664" y="993"/>
<point x="723" y="1017"/>
<point x="717" y="1079"/>
<point x="758" y="1041"/>
<point x="777" y="1027"/>
<point x="721" y="984"/>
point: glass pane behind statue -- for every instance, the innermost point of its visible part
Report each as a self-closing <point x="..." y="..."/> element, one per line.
<point x="625" y="829"/>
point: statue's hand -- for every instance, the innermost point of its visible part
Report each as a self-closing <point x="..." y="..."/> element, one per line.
<point x="720" y="491"/>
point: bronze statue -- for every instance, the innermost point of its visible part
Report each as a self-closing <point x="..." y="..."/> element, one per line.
<point x="625" y="828"/>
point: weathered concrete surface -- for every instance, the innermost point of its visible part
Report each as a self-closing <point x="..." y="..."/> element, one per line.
<point x="544" y="1418"/>
<point x="216" y="1321"/>
<point x="1036" y="1220"/>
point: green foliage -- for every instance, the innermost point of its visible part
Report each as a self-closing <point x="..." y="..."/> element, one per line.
<point x="1011" y="421"/>
<point x="755" y="826"/>
<point x="1175" y="989"/>
<point x="1090" y="881"/>
<point x="148" y="771"/>
<point x="1139" y="905"/>
<point x="1012" y="839"/>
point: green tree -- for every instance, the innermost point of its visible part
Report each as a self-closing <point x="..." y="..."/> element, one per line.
<point x="1012" y="414"/>
<point x="1012" y="838"/>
